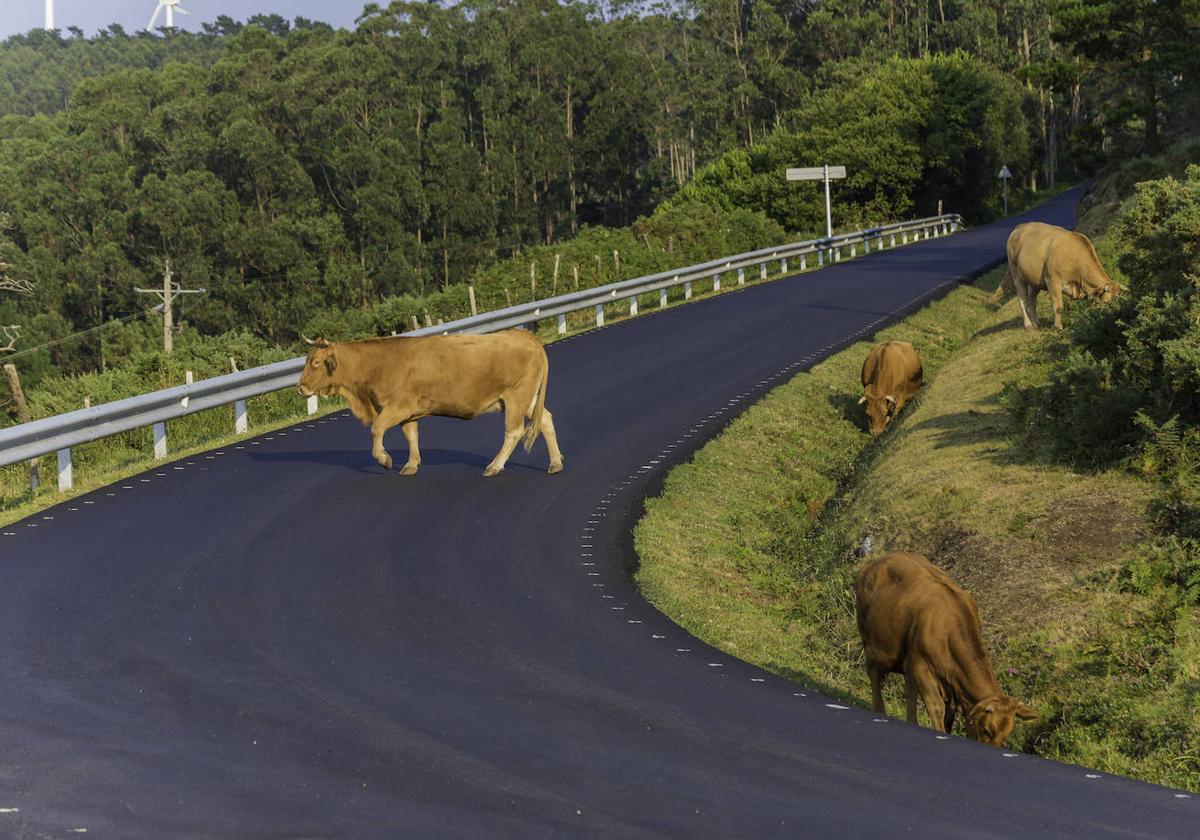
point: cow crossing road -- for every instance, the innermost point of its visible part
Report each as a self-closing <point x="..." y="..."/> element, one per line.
<point x="313" y="647"/>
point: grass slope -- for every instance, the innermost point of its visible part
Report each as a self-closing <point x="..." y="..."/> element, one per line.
<point x="792" y="488"/>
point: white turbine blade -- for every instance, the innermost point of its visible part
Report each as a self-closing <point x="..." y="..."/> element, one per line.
<point x="154" y="17"/>
<point x="182" y="10"/>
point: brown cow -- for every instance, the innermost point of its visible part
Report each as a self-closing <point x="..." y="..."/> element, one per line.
<point x="916" y="621"/>
<point x="891" y="375"/>
<point x="390" y="381"/>
<point x="1049" y="258"/>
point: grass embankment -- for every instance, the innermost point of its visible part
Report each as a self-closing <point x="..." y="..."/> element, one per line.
<point x="792" y="488"/>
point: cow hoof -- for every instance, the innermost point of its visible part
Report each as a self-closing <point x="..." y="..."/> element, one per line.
<point x="491" y="471"/>
<point x="386" y="463"/>
<point x="554" y="468"/>
<point x="409" y="469"/>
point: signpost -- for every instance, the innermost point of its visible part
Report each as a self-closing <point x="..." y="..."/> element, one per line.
<point x="1005" y="175"/>
<point x="820" y="173"/>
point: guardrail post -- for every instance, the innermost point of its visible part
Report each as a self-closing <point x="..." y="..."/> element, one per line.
<point x="820" y="258"/>
<point x="633" y="306"/>
<point x="837" y="254"/>
<point x="599" y="315"/>
<point x="240" y="421"/>
<point x="783" y="266"/>
<point x="804" y="262"/>
<point x="905" y="234"/>
<point x="893" y="240"/>
<point x="741" y="276"/>
<point x="867" y="245"/>
<point x="562" y="324"/>
<point x="662" y="298"/>
<point x="64" y="470"/>
<point x="717" y="282"/>
<point x="953" y="225"/>
<point x="312" y="404"/>
<point x="762" y="271"/>
<point x="160" y="441"/>
<point x="687" y="290"/>
<point x="853" y="250"/>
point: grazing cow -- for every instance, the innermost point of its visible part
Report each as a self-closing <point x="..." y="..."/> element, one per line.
<point x="390" y="381"/>
<point x="891" y="375"/>
<point x="916" y="621"/>
<point x="1049" y="258"/>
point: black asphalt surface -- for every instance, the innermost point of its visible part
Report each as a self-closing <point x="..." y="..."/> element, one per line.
<point x="281" y="640"/>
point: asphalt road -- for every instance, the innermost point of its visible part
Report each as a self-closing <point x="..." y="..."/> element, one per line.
<point x="279" y="639"/>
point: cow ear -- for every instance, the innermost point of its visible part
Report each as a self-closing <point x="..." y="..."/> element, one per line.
<point x="1025" y="712"/>
<point x="331" y="363"/>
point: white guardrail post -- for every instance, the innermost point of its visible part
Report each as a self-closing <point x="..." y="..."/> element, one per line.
<point x="59" y="434"/>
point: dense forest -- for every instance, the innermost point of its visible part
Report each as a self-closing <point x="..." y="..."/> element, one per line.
<point x="294" y="171"/>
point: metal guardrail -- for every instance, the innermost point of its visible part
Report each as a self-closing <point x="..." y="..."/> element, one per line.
<point x="61" y="432"/>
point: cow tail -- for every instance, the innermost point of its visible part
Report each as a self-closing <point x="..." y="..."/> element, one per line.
<point x="535" y="424"/>
<point x="1005" y="282"/>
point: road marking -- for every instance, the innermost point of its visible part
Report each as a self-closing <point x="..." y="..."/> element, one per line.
<point x="836" y="706"/>
<point x="9" y="810"/>
<point x="757" y="679"/>
<point x="1092" y="775"/>
<point x="1009" y="755"/>
<point x="943" y="737"/>
<point x="656" y="636"/>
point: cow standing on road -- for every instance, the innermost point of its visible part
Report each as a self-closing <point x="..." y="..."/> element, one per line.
<point x="397" y="381"/>
<point x="916" y="621"/>
<point x="891" y="376"/>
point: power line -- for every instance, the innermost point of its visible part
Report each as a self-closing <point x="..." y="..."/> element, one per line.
<point x="57" y="341"/>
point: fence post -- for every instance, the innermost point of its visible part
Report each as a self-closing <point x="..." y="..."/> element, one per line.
<point x="64" y="470"/>
<point x="599" y="315"/>
<point x="471" y="295"/>
<point x="160" y="441"/>
<point x="14" y="382"/>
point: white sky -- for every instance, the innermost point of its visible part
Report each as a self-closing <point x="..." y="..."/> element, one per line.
<point x="18" y="16"/>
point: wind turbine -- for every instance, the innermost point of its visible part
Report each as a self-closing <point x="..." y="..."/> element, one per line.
<point x="171" y="6"/>
<point x="49" y="15"/>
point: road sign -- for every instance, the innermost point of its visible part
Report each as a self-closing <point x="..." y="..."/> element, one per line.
<point x="815" y="173"/>
<point x="819" y="173"/>
<point x="1004" y="173"/>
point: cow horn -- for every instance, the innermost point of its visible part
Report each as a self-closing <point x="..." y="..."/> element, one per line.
<point x="890" y="399"/>
<point x="306" y="339"/>
<point x="862" y="400"/>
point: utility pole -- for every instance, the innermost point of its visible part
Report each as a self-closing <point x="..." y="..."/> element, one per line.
<point x="167" y="295"/>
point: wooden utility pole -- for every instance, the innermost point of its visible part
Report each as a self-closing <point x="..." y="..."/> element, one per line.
<point x="14" y="384"/>
<point x="167" y="295"/>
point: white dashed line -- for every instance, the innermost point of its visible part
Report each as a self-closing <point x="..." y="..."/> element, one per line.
<point x="836" y="706"/>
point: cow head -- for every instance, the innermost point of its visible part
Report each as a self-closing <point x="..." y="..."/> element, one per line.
<point x="991" y="720"/>
<point x="1108" y="291"/>
<point x="880" y="408"/>
<point x="317" y="377"/>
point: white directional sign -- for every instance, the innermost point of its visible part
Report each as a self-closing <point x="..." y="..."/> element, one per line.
<point x="819" y="173"/>
<point x="815" y="173"/>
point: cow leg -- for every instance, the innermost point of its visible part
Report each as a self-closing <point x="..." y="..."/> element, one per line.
<point x="926" y="684"/>
<point x="414" y="451"/>
<point x="556" y="461"/>
<point x="1022" y="290"/>
<point x="514" y="428"/>
<point x="910" y="696"/>
<point x="876" y="674"/>
<point x="378" y="427"/>
<point x="1056" y="301"/>
<point x="948" y="716"/>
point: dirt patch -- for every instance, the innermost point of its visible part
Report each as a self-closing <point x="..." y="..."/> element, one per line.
<point x="1016" y="581"/>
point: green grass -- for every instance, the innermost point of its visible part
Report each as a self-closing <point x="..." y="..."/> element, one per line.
<point x="794" y="486"/>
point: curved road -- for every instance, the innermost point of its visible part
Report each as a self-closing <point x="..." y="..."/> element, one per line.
<point x="280" y="640"/>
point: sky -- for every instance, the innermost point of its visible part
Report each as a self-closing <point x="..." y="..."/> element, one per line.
<point x="18" y="16"/>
